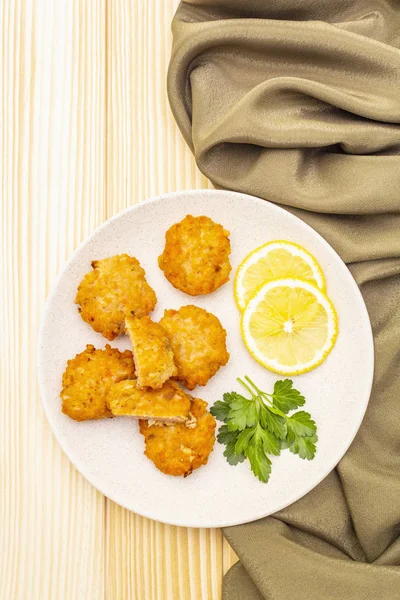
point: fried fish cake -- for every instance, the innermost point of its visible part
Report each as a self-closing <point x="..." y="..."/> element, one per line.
<point x="196" y="255"/>
<point x="87" y="379"/>
<point x="115" y="289"/>
<point x="170" y="404"/>
<point x="152" y="352"/>
<point x="179" y="450"/>
<point x="198" y="341"/>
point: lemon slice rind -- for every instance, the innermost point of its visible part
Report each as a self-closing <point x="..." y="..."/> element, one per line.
<point x="320" y="355"/>
<point x="261" y="251"/>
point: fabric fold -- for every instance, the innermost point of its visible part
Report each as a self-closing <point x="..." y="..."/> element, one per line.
<point x="298" y="102"/>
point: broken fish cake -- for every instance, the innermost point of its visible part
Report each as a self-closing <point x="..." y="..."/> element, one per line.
<point x="88" y="378"/>
<point x="169" y="404"/>
<point x="196" y="255"/>
<point x="198" y="341"/>
<point x="114" y="289"/>
<point x="176" y="449"/>
<point x="152" y="352"/>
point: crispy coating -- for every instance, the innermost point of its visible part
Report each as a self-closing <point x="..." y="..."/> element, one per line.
<point x="196" y="255"/>
<point x="115" y="289"/>
<point x="87" y="379"/>
<point x="169" y="404"/>
<point x="178" y="450"/>
<point x="152" y="352"/>
<point x="198" y="341"/>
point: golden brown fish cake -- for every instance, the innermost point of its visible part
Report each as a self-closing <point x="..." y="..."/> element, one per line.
<point x="179" y="450"/>
<point x="196" y="255"/>
<point x="169" y="404"/>
<point x="115" y="289"/>
<point x="87" y="379"/>
<point x="152" y="352"/>
<point x="198" y="341"/>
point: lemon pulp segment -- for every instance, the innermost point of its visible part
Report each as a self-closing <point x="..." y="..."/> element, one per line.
<point x="289" y="326"/>
<point x="272" y="261"/>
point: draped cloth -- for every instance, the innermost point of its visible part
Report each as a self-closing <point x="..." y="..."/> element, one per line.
<point x="298" y="102"/>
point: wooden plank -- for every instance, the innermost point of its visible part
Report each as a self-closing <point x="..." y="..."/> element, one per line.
<point x="147" y="156"/>
<point x="53" y="195"/>
<point x="228" y="555"/>
<point x="85" y="131"/>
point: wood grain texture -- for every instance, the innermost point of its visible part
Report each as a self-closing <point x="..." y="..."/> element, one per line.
<point x="86" y="131"/>
<point x="52" y="123"/>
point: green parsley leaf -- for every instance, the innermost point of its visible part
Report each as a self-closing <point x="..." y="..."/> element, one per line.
<point x="302" y="435"/>
<point x="259" y="426"/>
<point x="285" y="397"/>
<point x="220" y="410"/>
<point x="225" y="435"/>
<point x="259" y="461"/>
<point x="232" y="458"/>
<point x="243" y="439"/>
<point x="304" y="446"/>
<point x="270" y="443"/>
<point x="302" y="424"/>
<point x="230" y="397"/>
<point x="229" y="438"/>
<point x="273" y="423"/>
<point x="243" y="413"/>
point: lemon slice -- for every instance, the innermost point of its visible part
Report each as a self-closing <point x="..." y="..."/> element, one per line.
<point x="273" y="261"/>
<point x="289" y="326"/>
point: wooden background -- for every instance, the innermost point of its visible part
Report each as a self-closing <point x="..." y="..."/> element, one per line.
<point x="86" y="131"/>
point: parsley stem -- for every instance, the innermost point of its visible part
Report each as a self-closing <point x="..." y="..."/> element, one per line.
<point x="278" y="412"/>
<point x="253" y="395"/>
<point x="264" y="396"/>
<point x="259" y="392"/>
<point x="247" y="378"/>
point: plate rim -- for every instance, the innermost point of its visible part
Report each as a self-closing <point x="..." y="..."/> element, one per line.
<point x="157" y="199"/>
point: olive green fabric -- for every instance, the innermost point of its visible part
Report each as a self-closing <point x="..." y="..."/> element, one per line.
<point x="298" y="102"/>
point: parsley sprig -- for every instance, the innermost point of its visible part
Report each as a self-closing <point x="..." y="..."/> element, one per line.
<point x="259" y="426"/>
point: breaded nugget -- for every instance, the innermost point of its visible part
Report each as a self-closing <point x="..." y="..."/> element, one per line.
<point x="115" y="289"/>
<point x="169" y="404"/>
<point x="196" y="255"/>
<point x="152" y="352"/>
<point x="178" y="450"/>
<point x="198" y="341"/>
<point x="87" y="379"/>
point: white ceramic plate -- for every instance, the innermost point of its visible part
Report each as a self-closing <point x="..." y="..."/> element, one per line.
<point x="109" y="453"/>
